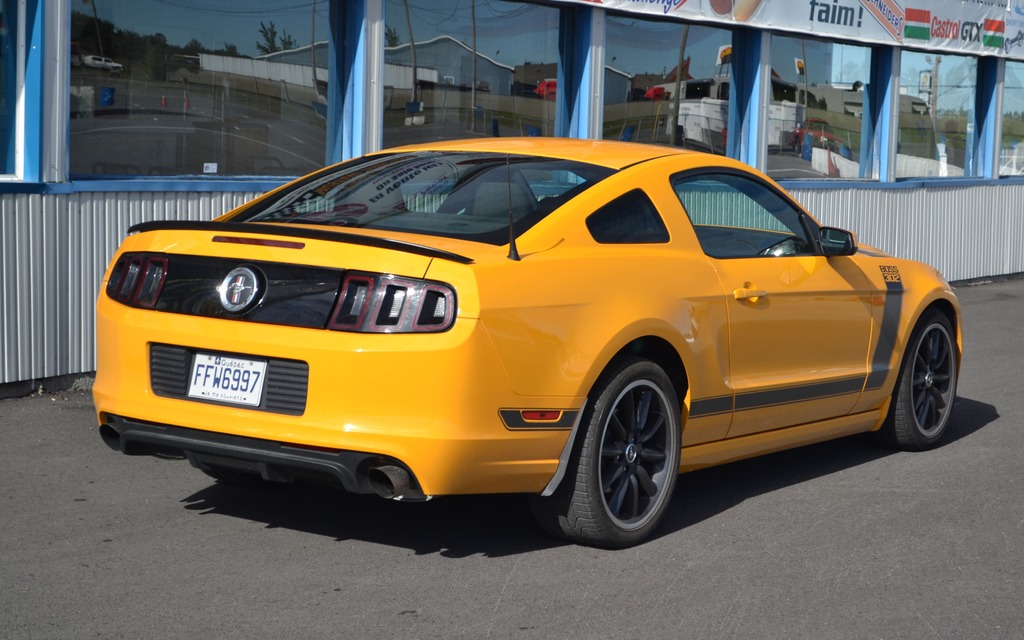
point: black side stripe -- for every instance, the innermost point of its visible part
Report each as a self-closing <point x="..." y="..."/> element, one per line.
<point x="803" y="393"/>
<point x="710" y="406"/>
<point x="887" y="335"/>
<point x="776" y="397"/>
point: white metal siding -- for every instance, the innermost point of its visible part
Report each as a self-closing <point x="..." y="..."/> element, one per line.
<point x="56" y="247"/>
<point x="966" y="232"/>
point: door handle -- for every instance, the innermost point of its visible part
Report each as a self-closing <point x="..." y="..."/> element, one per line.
<point x="749" y="292"/>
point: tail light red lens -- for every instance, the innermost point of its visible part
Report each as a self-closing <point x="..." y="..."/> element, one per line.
<point x="137" y="279"/>
<point x="377" y="303"/>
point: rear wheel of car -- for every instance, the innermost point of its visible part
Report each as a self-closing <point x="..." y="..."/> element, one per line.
<point x="926" y="387"/>
<point x="625" y="461"/>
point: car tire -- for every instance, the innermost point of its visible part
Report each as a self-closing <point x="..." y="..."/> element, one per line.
<point x="926" y="388"/>
<point x="625" y="461"/>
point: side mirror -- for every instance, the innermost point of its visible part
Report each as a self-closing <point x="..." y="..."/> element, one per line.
<point x="838" y="242"/>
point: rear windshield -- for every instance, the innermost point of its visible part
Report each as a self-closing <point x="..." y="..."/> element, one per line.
<point x="472" y="196"/>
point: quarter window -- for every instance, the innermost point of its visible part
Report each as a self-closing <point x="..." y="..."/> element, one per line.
<point x="736" y="217"/>
<point x="629" y="219"/>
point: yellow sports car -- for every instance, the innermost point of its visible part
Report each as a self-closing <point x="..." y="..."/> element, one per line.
<point x="575" y="320"/>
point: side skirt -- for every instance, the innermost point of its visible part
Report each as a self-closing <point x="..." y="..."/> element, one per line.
<point x="710" y="454"/>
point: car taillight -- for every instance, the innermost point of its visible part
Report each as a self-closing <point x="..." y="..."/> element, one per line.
<point x="377" y="303"/>
<point x="137" y="279"/>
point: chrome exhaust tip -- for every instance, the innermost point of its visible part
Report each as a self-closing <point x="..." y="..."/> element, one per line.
<point x="389" y="481"/>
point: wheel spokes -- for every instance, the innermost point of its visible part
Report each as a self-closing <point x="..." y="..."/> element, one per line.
<point x="633" y="453"/>
<point x="931" y="379"/>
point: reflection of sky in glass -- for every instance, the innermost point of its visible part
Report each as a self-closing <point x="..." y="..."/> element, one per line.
<point x="213" y="23"/>
<point x="643" y="46"/>
<point x="1013" y="89"/>
<point x="827" y="63"/>
<point x="956" y="81"/>
<point x="510" y="33"/>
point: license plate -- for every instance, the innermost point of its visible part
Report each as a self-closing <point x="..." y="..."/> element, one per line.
<point x="227" y="379"/>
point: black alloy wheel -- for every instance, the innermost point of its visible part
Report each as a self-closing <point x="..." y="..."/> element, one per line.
<point x="625" y="462"/>
<point x="926" y="388"/>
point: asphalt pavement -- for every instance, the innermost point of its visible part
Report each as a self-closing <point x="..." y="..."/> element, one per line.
<point x="838" y="540"/>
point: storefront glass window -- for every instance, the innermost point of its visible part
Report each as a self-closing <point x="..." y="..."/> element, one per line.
<point x="191" y="87"/>
<point x="937" y="97"/>
<point x="815" y="112"/>
<point x="481" y="69"/>
<point x="641" y="80"/>
<point x="1011" y="154"/>
<point x="8" y="84"/>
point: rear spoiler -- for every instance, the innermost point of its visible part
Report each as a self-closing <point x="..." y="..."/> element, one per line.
<point x="299" y="232"/>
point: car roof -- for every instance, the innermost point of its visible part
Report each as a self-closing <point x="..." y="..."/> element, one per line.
<point x="606" y="153"/>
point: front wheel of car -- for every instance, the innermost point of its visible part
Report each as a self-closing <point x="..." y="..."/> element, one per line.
<point x="926" y="387"/>
<point x="625" y="461"/>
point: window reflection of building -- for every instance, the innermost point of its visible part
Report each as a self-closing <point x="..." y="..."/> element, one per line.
<point x="936" y="130"/>
<point x="815" y="115"/>
<point x="480" y="70"/>
<point x="649" y="62"/>
<point x="151" y="106"/>
<point x="1011" y="154"/>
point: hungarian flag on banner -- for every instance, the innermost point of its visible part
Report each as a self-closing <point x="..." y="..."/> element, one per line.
<point x="917" y="25"/>
<point x="992" y="34"/>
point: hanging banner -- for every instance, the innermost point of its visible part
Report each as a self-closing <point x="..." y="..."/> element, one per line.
<point x="1014" y="38"/>
<point x="980" y="27"/>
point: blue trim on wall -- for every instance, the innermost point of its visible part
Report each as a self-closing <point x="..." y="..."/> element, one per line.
<point x="884" y="102"/>
<point x="35" y="19"/>
<point x="335" y="69"/>
<point x="990" y="71"/>
<point x="903" y="183"/>
<point x="870" y="111"/>
<point x="745" y="118"/>
<point x="568" y="75"/>
<point x="576" y="65"/>
<point x="138" y="186"/>
<point x="348" y="37"/>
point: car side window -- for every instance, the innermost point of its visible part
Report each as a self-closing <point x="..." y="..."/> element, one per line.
<point x="737" y="217"/>
<point x="629" y="219"/>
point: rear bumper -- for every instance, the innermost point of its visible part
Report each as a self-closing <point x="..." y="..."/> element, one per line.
<point x="273" y="461"/>
<point x="430" y="403"/>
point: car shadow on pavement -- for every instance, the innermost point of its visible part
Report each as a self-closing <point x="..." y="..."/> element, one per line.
<point x="703" y="494"/>
<point x="501" y="525"/>
<point x="453" y="526"/>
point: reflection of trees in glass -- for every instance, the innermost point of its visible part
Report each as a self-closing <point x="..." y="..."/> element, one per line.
<point x="144" y="56"/>
<point x="391" y="37"/>
<point x="271" y="41"/>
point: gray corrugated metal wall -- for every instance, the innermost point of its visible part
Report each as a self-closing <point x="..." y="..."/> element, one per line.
<point x="966" y="232"/>
<point x="55" y="248"/>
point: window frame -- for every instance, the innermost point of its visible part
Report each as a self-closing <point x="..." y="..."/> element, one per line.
<point x="973" y="132"/>
<point x="16" y="173"/>
<point x="870" y="118"/>
<point x="811" y="228"/>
